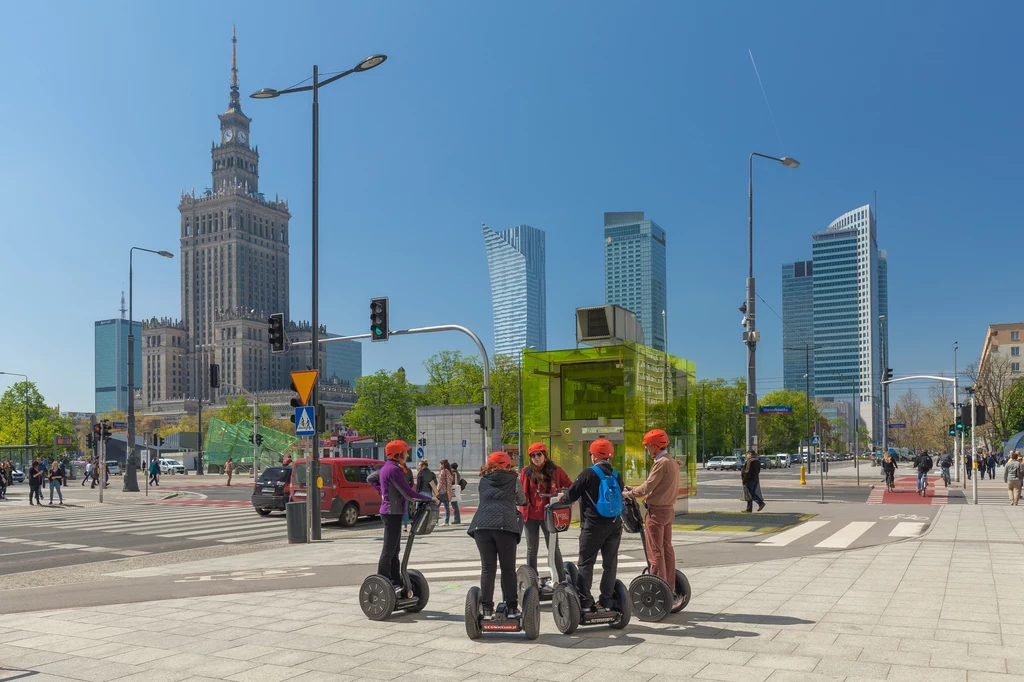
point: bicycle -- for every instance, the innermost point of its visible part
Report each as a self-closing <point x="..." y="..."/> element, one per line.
<point x="890" y="482"/>
<point x="945" y="476"/>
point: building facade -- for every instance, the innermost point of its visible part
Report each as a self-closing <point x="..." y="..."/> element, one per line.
<point x="1001" y="356"/>
<point x="634" y="271"/>
<point x="164" y="360"/>
<point x="850" y="295"/>
<point x="111" y="363"/>
<point x="344" y="361"/>
<point x="446" y="428"/>
<point x="798" y="326"/>
<point x="515" y="261"/>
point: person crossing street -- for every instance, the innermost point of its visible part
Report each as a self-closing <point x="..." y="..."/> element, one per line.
<point x="751" y="479"/>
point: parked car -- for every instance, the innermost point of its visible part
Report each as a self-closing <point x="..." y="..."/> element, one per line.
<point x="17" y="475"/>
<point x="113" y="467"/>
<point x="272" y="490"/>
<point x="345" y="495"/>
<point x="171" y="466"/>
<point x="765" y="462"/>
<point x="732" y="463"/>
<point x="715" y="463"/>
<point x="786" y="460"/>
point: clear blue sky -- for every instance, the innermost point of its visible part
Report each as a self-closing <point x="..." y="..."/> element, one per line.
<point x="529" y="112"/>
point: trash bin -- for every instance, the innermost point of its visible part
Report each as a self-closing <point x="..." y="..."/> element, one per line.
<point x="295" y="516"/>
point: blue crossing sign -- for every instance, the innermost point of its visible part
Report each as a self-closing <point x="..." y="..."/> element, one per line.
<point x="304" y="421"/>
<point x="815" y="440"/>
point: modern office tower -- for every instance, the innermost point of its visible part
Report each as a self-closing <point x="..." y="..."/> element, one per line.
<point x="798" y="326"/>
<point x="111" y="356"/>
<point x="850" y="293"/>
<point x="634" y="271"/>
<point x="515" y="260"/>
<point x="344" y="361"/>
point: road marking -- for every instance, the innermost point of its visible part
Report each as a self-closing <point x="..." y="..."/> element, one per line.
<point x="786" y="537"/>
<point x="907" y="529"/>
<point x="468" y="573"/>
<point x="846" y="535"/>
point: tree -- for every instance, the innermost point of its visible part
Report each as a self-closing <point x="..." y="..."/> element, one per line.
<point x="719" y="412"/>
<point x="505" y="394"/>
<point x="993" y="384"/>
<point x="44" y="422"/>
<point x="834" y="441"/>
<point x="386" y="407"/>
<point x="240" y="408"/>
<point x="783" y="432"/>
<point x="453" y="379"/>
<point x="1013" y="408"/>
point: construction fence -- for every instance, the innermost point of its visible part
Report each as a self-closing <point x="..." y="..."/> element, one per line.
<point x="225" y="440"/>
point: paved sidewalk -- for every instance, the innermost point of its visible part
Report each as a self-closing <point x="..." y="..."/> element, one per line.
<point x="946" y="606"/>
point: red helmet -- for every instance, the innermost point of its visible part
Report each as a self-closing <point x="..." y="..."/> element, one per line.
<point x="396" y="448"/>
<point x="656" y="437"/>
<point x="499" y="459"/>
<point x="602" y="448"/>
<point x="536" y="447"/>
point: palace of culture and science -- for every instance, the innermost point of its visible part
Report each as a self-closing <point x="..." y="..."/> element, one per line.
<point x="234" y="274"/>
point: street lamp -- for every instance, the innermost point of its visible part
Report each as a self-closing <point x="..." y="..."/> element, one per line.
<point x="855" y="415"/>
<point x="131" y="483"/>
<point x="750" y="335"/>
<point x="522" y="462"/>
<point x="269" y="93"/>
<point x="15" y="374"/>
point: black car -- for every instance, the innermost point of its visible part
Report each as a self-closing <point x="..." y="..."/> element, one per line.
<point x="272" y="490"/>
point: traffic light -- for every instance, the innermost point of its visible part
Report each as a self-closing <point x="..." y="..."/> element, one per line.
<point x="250" y="438"/>
<point x="965" y="414"/>
<point x="259" y="439"/>
<point x="97" y="435"/>
<point x="276" y="333"/>
<point x="321" y="418"/>
<point x="952" y="429"/>
<point x="484" y="419"/>
<point x="888" y="374"/>
<point x="379" y="319"/>
<point x="160" y="441"/>
<point x="979" y="415"/>
<point x="422" y="442"/>
<point x="105" y="430"/>
<point x="88" y="441"/>
<point x="295" y="401"/>
<point x="214" y="376"/>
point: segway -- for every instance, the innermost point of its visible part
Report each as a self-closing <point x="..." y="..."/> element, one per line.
<point x="527" y="620"/>
<point x="566" y="608"/>
<point x="527" y="576"/>
<point x="379" y="597"/>
<point x="651" y="596"/>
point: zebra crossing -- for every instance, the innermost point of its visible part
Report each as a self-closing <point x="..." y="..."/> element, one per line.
<point x="227" y="525"/>
<point x="989" y="496"/>
<point x="847" y="534"/>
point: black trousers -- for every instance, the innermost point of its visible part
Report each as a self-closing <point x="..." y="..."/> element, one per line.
<point x="497" y="546"/>
<point x="533" y="528"/>
<point x="36" y="492"/>
<point x="389" y="566"/>
<point x="603" y="538"/>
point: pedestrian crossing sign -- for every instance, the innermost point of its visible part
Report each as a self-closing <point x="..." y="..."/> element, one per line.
<point x="815" y="440"/>
<point x="304" y="425"/>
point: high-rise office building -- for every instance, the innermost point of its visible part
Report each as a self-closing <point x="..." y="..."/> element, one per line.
<point x="850" y="293"/>
<point x="798" y="326"/>
<point x="515" y="260"/>
<point x="111" y="356"/>
<point x="344" y="361"/>
<point x="634" y="271"/>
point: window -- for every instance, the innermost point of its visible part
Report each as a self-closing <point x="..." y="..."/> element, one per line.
<point x="1015" y="351"/>
<point x="1014" y="367"/>
<point x="1014" y="336"/>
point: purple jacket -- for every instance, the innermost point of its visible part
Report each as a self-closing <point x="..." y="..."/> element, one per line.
<point x="391" y="478"/>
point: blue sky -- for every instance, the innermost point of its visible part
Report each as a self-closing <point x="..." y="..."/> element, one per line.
<point x="531" y="112"/>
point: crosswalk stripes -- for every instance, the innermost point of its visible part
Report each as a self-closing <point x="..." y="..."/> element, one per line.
<point x="471" y="569"/>
<point x="846" y="535"/>
<point x="842" y="535"/>
<point x="990" y="496"/>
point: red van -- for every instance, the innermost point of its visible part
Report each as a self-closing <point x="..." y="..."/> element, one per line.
<point x="346" y="495"/>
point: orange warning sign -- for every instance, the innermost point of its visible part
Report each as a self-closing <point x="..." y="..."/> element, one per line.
<point x="303" y="382"/>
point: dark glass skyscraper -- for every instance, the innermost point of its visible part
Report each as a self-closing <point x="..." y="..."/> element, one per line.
<point x="798" y="325"/>
<point x="111" y="355"/>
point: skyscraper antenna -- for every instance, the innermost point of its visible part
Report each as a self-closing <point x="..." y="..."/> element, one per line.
<point x="123" y="308"/>
<point x="234" y="60"/>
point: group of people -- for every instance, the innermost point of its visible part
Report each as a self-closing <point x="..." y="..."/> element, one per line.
<point x="513" y="504"/>
<point x="6" y="477"/>
<point x="447" y="486"/>
<point x="39" y="475"/>
<point x="986" y="463"/>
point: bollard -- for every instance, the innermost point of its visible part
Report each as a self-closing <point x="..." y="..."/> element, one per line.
<point x="803" y="475"/>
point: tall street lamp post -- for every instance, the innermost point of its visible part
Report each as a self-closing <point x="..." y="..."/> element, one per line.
<point x="131" y="482"/>
<point x="268" y="93"/>
<point x="750" y="335"/>
<point x="15" y="374"/>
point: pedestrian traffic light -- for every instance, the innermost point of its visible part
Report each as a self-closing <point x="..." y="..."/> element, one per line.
<point x="965" y="414"/>
<point x="888" y="373"/>
<point x="259" y="439"/>
<point x="276" y="333"/>
<point x="88" y="441"/>
<point x="979" y="414"/>
<point x="105" y="430"/>
<point x="484" y="419"/>
<point x="952" y="429"/>
<point x="379" y="319"/>
<point x="214" y="376"/>
<point x="422" y="442"/>
<point x="97" y="434"/>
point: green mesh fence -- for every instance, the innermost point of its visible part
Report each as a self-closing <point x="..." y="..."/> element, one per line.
<point x="225" y="440"/>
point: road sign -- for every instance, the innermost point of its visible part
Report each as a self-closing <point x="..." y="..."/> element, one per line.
<point x="304" y="382"/>
<point x="897" y="426"/>
<point x="419" y="453"/>
<point x="766" y="409"/>
<point x="119" y="425"/>
<point x="304" y="424"/>
<point x="463" y="443"/>
<point x="815" y="440"/>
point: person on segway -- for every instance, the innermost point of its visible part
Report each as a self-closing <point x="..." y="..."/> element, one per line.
<point x="496" y="530"/>
<point x="598" y="489"/>
<point x="541" y="477"/>
<point x="394" y="491"/>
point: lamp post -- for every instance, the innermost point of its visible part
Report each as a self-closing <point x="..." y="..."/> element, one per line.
<point x="885" y="387"/>
<point x="750" y="335"/>
<point x="15" y="374"/>
<point x="854" y="386"/>
<point x="131" y="482"/>
<point x="522" y="462"/>
<point x="268" y="93"/>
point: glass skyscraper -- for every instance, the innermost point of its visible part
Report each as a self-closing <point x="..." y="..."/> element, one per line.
<point x="515" y="260"/>
<point x="111" y="351"/>
<point x="344" y="360"/>
<point x="798" y="325"/>
<point x="634" y="271"/>
<point x="850" y="293"/>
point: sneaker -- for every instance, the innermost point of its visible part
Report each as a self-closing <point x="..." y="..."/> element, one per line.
<point x="760" y="506"/>
<point x="488" y="611"/>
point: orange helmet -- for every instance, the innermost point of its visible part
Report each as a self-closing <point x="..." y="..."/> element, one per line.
<point x="537" y="447"/>
<point x="396" y="448"/>
<point x="499" y="459"/>
<point x="602" y="448"/>
<point x="656" y="437"/>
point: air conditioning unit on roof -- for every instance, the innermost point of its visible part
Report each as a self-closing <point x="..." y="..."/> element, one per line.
<point x="607" y="325"/>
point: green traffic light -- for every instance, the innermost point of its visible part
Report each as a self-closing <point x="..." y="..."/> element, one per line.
<point x="377" y="331"/>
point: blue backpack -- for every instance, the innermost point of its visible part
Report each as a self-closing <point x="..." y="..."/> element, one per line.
<point x="609" y="498"/>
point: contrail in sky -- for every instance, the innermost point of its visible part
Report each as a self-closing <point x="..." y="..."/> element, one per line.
<point x="770" y="113"/>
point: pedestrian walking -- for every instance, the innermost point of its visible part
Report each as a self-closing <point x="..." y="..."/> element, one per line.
<point x="154" y="471"/>
<point x="458" y="485"/>
<point x="426" y="481"/>
<point x="35" y="483"/>
<point x="968" y="465"/>
<point x="991" y="459"/>
<point x="444" y="488"/>
<point x="924" y="464"/>
<point x="1013" y="476"/>
<point x="541" y="477"/>
<point x="229" y="468"/>
<point x="88" y="472"/>
<point x="3" y="482"/>
<point x="57" y="478"/>
<point x="751" y="479"/>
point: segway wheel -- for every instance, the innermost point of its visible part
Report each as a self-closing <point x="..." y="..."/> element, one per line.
<point x="625" y="607"/>
<point x="420" y="588"/>
<point x="526" y="577"/>
<point x="572" y="574"/>
<point x="650" y="597"/>
<point x="682" y="593"/>
<point x="531" y="612"/>
<point x="473" y="615"/>
<point x="377" y="597"/>
<point x="565" y="607"/>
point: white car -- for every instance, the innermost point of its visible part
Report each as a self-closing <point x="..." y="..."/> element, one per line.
<point x="113" y="468"/>
<point x="171" y="466"/>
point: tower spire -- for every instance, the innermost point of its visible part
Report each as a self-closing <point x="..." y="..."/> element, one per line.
<point x="235" y="102"/>
<point x="123" y="309"/>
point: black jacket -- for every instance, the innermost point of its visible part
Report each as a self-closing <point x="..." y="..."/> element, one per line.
<point x="586" y="489"/>
<point x="501" y="495"/>
<point x="750" y="475"/>
<point x="924" y="463"/>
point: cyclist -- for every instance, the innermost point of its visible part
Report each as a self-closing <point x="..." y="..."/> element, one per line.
<point x="889" y="466"/>
<point x="924" y="465"/>
<point x="945" y="462"/>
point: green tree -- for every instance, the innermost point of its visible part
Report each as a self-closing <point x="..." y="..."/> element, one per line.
<point x="783" y="432"/>
<point x="1013" y="407"/>
<point x="240" y="408"/>
<point x="505" y="394"/>
<point x="453" y="379"/>
<point x="719" y="415"/>
<point x="44" y="422"/>
<point x="386" y="407"/>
